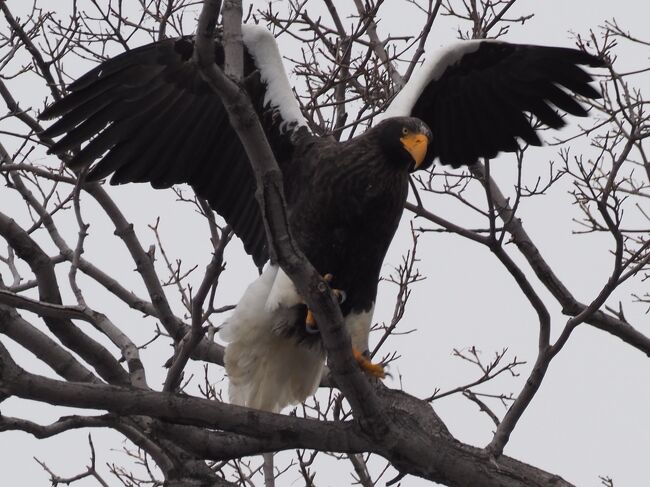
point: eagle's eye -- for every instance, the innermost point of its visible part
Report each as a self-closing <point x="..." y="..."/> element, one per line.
<point x="405" y="131"/>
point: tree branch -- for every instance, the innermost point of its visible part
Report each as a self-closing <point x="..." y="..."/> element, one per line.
<point x="270" y="194"/>
<point x="421" y="445"/>
<point x="41" y="265"/>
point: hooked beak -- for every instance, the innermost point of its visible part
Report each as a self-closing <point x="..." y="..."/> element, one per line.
<point x="416" y="144"/>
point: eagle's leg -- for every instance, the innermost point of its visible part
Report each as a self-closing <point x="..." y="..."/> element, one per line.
<point x="362" y="358"/>
<point x="374" y="370"/>
<point x="310" y="321"/>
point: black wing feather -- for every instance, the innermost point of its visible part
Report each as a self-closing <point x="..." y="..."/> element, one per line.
<point x="475" y="106"/>
<point x="153" y="118"/>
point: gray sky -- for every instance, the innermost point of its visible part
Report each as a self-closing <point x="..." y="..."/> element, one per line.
<point x="590" y="416"/>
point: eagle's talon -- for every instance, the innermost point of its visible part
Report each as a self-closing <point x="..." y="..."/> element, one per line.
<point x="340" y="294"/>
<point x="310" y="322"/>
<point x="374" y="370"/>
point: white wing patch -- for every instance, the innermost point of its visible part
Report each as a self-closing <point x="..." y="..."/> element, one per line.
<point x="432" y="70"/>
<point x="264" y="50"/>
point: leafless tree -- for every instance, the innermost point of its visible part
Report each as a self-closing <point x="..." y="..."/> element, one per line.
<point x="75" y="314"/>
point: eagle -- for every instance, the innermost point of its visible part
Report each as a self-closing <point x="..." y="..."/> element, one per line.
<point x="148" y="115"/>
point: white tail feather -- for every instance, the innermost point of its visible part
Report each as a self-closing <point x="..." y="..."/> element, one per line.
<point x="266" y="370"/>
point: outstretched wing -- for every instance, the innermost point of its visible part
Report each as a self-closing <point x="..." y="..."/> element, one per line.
<point x="474" y="95"/>
<point x="153" y="118"/>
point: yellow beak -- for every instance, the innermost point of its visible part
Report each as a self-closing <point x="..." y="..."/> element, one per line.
<point x="416" y="144"/>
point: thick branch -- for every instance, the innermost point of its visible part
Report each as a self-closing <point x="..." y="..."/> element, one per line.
<point x="48" y="288"/>
<point x="43" y="347"/>
<point x="419" y="445"/>
<point x="270" y="194"/>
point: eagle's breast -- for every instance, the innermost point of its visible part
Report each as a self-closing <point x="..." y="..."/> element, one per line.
<point x="346" y="216"/>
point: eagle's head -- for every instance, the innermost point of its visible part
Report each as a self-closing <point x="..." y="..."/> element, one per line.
<point x="405" y="141"/>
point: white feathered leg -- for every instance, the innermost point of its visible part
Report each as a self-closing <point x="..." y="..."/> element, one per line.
<point x="268" y="370"/>
<point x="358" y="325"/>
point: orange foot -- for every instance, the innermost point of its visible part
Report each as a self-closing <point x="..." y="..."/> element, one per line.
<point x="310" y="321"/>
<point x="374" y="370"/>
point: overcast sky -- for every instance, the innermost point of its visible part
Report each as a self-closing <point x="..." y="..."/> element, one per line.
<point x="590" y="416"/>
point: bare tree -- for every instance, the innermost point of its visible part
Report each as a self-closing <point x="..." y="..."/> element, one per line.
<point x="75" y="314"/>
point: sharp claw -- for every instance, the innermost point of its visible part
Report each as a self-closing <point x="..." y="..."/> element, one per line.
<point x="310" y="323"/>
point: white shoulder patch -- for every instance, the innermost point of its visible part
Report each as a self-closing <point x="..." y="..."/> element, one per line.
<point x="263" y="48"/>
<point x="432" y="70"/>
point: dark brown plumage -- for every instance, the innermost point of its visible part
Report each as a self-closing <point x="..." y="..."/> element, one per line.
<point x="345" y="202"/>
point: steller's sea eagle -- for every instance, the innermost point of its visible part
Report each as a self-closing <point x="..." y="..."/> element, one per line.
<point x="149" y="116"/>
